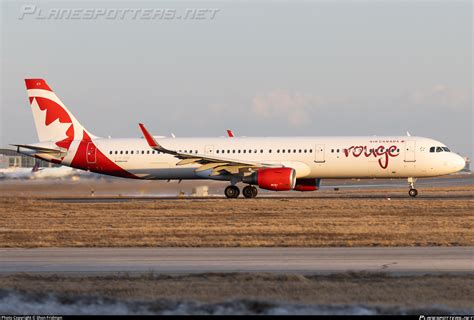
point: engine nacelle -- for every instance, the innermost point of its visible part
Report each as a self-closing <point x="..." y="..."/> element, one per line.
<point x="307" y="184"/>
<point x="276" y="179"/>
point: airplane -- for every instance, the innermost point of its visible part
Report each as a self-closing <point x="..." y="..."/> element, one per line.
<point x="270" y="163"/>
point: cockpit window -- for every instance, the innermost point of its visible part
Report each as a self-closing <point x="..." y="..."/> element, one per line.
<point x="439" y="149"/>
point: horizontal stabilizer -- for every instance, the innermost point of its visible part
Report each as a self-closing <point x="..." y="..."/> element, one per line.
<point x="39" y="149"/>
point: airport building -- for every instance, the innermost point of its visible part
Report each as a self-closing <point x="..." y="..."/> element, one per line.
<point x="10" y="158"/>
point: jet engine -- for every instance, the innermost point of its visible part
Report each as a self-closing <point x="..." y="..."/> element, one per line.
<point x="276" y="179"/>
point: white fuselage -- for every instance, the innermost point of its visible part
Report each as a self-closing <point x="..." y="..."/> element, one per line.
<point x="311" y="157"/>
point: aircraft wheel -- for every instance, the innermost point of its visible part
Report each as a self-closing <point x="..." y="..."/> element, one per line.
<point x="413" y="193"/>
<point x="232" y="192"/>
<point x="255" y="191"/>
<point x="250" y="192"/>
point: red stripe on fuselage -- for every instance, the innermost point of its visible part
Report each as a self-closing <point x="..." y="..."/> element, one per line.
<point x="102" y="164"/>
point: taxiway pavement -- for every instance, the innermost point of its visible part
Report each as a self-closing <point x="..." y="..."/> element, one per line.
<point x="405" y="260"/>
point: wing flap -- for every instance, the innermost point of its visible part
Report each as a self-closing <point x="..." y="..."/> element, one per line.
<point x="208" y="166"/>
<point x="188" y="161"/>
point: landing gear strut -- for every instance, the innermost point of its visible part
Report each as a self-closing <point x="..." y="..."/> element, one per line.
<point x="250" y="192"/>
<point x="412" y="192"/>
<point x="232" y="192"/>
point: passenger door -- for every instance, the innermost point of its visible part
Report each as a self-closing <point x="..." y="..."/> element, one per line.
<point x="410" y="151"/>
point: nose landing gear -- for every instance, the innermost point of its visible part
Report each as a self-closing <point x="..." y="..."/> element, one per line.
<point x="412" y="192"/>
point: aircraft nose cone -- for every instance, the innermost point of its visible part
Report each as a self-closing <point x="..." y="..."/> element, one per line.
<point x="459" y="163"/>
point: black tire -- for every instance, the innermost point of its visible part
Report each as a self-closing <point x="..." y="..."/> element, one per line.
<point x="413" y="193"/>
<point x="255" y="191"/>
<point x="232" y="192"/>
<point x="249" y="192"/>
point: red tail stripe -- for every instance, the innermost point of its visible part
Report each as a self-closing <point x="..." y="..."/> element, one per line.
<point x="37" y="84"/>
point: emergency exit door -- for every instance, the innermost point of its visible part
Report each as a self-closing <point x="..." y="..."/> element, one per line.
<point x="91" y="152"/>
<point x="319" y="153"/>
<point x="209" y="149"/>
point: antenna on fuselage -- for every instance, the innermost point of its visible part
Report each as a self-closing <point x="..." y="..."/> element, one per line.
<point x="408" y="134"/>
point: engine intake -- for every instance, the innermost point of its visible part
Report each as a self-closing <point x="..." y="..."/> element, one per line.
<point x="276" y="179"/>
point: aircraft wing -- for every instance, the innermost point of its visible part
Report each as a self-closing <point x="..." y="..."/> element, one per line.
<point x="217" y="164"/>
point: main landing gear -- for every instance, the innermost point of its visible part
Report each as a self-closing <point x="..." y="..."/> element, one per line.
<point x="248" y="191"/>
<point x="232" y="192"/>
<point x="412" y="192"/>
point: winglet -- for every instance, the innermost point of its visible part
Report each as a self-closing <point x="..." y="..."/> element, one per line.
<point x="230" y="133"/>
<point x="149" y="138"/>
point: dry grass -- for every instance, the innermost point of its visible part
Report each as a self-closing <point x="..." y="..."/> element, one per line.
<point x="454" y="291"/>
<point x="302" y="222"/>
